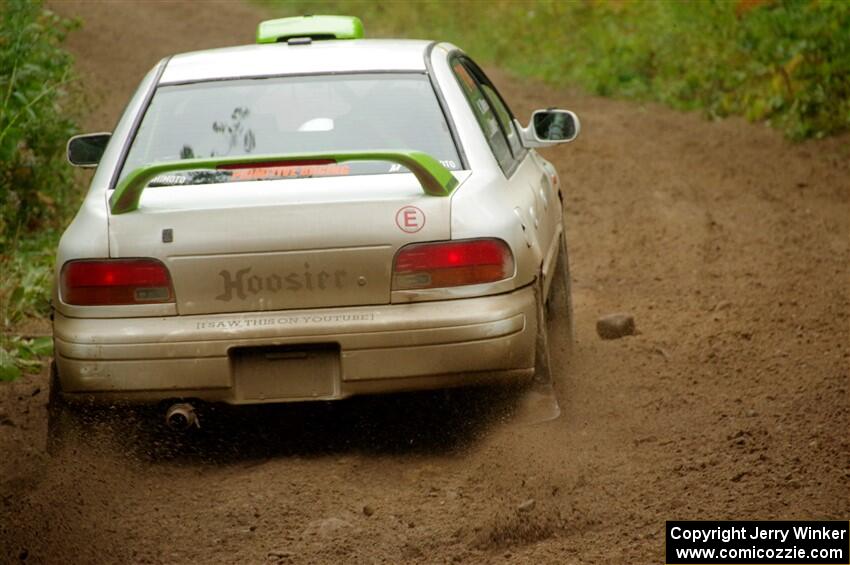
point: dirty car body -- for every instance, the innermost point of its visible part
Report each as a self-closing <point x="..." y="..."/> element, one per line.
<point x="308" y="219"/>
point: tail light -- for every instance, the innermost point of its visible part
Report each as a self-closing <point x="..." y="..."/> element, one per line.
<point x="111" y="282"/>
<point x="452" y="263"/>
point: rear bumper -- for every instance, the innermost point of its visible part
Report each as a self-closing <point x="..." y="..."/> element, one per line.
<point x="382" y="348"/>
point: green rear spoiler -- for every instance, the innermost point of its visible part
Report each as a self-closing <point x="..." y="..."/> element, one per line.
<point x="435" y="179"/>
<point x="315" y="27"/>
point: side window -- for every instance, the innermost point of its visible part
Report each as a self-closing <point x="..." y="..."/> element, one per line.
<point x="505" y="118"/>
<point x="485" y="114"/>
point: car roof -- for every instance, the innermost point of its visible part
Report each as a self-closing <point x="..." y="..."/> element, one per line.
<point x="319" y="57"/>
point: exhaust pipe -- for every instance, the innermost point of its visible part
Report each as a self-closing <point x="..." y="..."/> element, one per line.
<point x="180" y="417"/>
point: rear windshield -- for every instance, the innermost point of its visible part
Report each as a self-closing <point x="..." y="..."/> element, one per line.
<point x="291" y="115"/>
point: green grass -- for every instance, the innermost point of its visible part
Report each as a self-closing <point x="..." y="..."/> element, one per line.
<point x="783" y="62"/>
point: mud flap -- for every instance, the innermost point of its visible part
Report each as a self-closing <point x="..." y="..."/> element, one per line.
<point x="537" y="402"/>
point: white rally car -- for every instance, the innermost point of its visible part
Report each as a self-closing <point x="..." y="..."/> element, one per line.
<point x="311" y="217"/>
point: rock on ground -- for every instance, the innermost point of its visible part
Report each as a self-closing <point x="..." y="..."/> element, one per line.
<point x="614" y="326"/>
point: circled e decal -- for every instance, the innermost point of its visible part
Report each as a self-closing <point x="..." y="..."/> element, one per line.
<point x="410" y="219"/>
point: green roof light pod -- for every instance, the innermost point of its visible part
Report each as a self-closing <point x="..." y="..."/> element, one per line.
<point x="314" y="27"/>
<point x="435" y="179"/>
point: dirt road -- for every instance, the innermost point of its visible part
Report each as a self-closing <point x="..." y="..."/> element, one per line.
<point x="730" y="247"/>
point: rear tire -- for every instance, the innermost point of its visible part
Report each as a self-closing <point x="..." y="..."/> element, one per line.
<point x="560" y="302"/>
<point x="59" y="414"/>
<point x="542" y="362"/>
<point x="539" y="402"/>
<point x="554" y="315"/>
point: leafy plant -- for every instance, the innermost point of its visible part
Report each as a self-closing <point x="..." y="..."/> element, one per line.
<point x="18" y="355"/>
<point x="37" y="189"/>
<point x="35" y="73"/>
<point x="27" y="278"/>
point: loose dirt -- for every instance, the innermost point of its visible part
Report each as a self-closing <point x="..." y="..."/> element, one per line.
<point x="729" y="246"/>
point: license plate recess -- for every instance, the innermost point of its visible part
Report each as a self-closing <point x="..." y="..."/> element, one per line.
<point x="289" y="372"/>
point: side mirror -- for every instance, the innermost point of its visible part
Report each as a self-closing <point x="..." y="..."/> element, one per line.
<point x="550" y="127"/>
<point x="86" y="150"/>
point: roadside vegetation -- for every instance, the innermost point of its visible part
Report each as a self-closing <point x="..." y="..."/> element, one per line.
<point x="38" y="193"/>
<point x="782" y="62"/>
